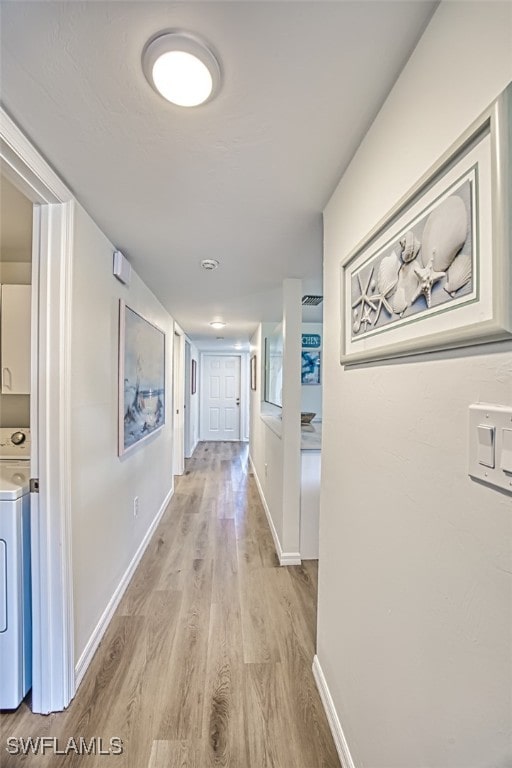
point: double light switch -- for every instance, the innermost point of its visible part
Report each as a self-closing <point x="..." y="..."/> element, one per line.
<point x="490" y="444"/>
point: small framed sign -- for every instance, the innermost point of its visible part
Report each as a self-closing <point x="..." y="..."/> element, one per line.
<point x="311" y="341"/>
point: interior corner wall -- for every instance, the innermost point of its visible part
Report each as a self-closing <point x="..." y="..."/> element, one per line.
<point x="257" y="428"/>
<point x="415" y="585"/>
<point x="265" y="446"/>
<point x="105" y="533"/>
<point x="255" y="395"/>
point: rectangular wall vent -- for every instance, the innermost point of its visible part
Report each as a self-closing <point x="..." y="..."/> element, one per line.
<point x="312" y="301"/>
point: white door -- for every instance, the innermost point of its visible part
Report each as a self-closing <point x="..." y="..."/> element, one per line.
<point x="220" y="397"/>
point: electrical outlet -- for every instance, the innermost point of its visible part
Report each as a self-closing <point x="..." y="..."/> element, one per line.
<point x="135" y="506"/>
<point x="266" y="469"/>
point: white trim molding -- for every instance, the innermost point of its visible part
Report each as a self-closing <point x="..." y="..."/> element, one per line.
<point x="54" y="582"/>
<point x="285" y="558"/>
<point x="332" y="716"/>
<point x="105" y="618"/>
<point x="26" y="168"/>
<point x="53" y="684"/>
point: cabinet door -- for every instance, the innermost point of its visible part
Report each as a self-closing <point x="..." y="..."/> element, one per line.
<point x="15" y="339"/>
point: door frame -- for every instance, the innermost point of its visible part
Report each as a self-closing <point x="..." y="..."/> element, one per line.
<point x="178" y="378"/>
<point x="53" y="684"/>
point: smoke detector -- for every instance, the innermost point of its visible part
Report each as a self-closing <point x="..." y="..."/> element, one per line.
<point x="311" y="301"/>
<point x="209" y="264"/>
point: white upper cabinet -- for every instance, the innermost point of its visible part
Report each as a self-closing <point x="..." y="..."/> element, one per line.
<point x="15" y="339"/>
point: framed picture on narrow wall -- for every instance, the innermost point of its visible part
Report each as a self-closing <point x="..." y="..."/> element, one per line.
<point x="253" y="372"/>
<point x="193" y="378"/>
<point x="310" y="366"/>
<point x="141" y="378"/>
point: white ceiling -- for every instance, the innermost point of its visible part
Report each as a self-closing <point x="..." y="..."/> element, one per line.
<point x="242" y="179"/>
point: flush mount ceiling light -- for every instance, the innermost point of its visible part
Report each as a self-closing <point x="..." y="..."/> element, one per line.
<point x="181" y="68"/>
<point x="217" y="324"/>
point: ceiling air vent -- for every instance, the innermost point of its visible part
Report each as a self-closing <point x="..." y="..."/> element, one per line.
<point x="311" y="301"/>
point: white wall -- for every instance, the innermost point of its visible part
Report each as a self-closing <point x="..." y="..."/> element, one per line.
<point x="274" y="445"/>
<point x="415" y="585"/>
<point x="265" y="446"/>
<point x="311" y="395"/>
<point x="105" y="533"/>
<point x="256" y="425"/>
<point x="194" y="401"/>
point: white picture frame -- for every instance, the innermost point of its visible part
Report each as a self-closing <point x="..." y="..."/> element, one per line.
<point x="415" y="284"/>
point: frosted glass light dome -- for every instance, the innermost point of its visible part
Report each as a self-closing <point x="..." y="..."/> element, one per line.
<point x="181" y="68"/>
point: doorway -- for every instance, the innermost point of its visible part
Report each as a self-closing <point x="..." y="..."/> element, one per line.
<point x="220" y="397"/>
<point x="53" y="671"/>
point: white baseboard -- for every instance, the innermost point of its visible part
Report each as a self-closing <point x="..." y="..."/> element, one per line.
<point x="285" y="558"/>
<point x="98" y="632"/>
<point x="189" y="456"/>
<point x="332" y="716"/>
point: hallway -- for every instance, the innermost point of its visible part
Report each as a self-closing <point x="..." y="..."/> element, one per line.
<point x="207" y="661"/>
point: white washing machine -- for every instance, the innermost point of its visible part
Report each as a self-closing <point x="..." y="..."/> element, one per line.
<point x="15" y="584"/>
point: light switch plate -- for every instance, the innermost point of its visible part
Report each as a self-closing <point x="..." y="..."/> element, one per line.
<point x="506" y="450"/>
<point x="486" y="445"/>
<point x="496" y="418"/>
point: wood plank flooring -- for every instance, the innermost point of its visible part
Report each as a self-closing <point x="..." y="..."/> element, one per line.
<point x="207" y="661"/>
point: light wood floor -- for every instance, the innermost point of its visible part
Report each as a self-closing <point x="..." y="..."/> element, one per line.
<point x="207" y="661"/>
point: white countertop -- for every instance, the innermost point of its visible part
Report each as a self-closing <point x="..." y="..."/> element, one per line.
<point x="273" y="422"/>
<point x="311" y="441"/>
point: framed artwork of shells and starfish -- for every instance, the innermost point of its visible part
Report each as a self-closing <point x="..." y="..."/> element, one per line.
<point x="436" y="272"/>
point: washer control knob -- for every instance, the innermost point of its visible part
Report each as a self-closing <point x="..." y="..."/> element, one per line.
<point x="18" y="438"/>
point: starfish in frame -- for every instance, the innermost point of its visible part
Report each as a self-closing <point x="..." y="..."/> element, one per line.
<point x="365" y="300"/>
<point x="382" y="301"/>
<point x="366" y="319"/>
<point x="427" y="278"/>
